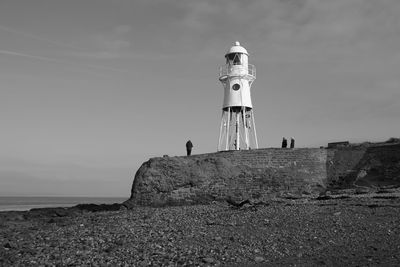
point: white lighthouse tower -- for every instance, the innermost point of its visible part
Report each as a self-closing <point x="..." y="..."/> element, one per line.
<point x="238" y="129"/>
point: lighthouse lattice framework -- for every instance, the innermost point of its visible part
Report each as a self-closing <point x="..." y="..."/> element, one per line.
<point x="238" y="129"/>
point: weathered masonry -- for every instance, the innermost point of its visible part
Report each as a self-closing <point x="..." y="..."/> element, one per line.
<point x="263" y="173"/>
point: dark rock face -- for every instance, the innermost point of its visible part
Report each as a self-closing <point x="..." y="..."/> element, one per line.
<point x="372" y="166"/>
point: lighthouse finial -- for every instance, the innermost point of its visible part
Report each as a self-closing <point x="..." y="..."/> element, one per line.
<point x="237" y="43"/>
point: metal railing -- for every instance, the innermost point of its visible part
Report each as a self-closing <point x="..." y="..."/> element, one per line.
<point x="227" y="69"/>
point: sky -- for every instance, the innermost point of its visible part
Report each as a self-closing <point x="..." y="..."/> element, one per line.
<point x="91" y="89"/>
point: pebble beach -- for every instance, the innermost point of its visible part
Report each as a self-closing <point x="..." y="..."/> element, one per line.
<point x="342" y="231"/>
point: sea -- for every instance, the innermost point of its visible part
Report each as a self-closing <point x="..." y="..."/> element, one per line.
<point x="27" y="203"/>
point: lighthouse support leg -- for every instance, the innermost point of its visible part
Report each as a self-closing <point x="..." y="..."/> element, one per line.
<point x="246" y="137"/>
<point x="254" y="128"/>
<point x="221" y="131"/>
<point x="237" y="130"/>
<point x="227" y="130"/>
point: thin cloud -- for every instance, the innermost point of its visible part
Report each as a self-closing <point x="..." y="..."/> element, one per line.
<point x="108" y="45"/>
<point x="53" y="60"/>
<point x="12" y="53"/>
<point x="37" y="37"/>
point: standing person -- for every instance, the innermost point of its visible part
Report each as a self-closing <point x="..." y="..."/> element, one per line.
<point x="291" y="142"/>
<point x="189" y="146"/>
<point x="284" y="142"/>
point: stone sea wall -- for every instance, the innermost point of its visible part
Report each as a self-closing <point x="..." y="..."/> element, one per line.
<point x="262" y="174"/>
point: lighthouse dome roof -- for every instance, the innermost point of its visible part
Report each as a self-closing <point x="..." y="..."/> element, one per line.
<point x="237" y="48"/>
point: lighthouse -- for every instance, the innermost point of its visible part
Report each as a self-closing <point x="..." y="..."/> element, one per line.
<point x="238" y="129"/>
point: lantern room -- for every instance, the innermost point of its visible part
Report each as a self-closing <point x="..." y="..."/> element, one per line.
<point x="237" y="55"/>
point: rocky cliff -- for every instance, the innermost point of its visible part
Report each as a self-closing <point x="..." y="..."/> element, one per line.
<point x="365" y="165"/>
<point x="263" y="174"/>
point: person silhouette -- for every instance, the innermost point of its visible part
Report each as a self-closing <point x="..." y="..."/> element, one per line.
<point x="291" y="142"/>
<point x="189" y="146"/>
<point x="284" y="142"/>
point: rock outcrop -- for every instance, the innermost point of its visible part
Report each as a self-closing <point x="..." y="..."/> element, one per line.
<point x="263" y="174"/>
<point x="237" y="175"/>
<point x="365" y="165"/>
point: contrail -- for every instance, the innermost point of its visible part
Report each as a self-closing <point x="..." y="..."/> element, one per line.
<point x="34" y="36"/>
<point x="53" y="60"/>
<point x="6" y="52"/>
<point x="48" y="59"/>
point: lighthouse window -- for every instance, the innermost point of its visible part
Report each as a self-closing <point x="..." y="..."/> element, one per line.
<point x="234" y="58"/>
<point x="236" y="86"/>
